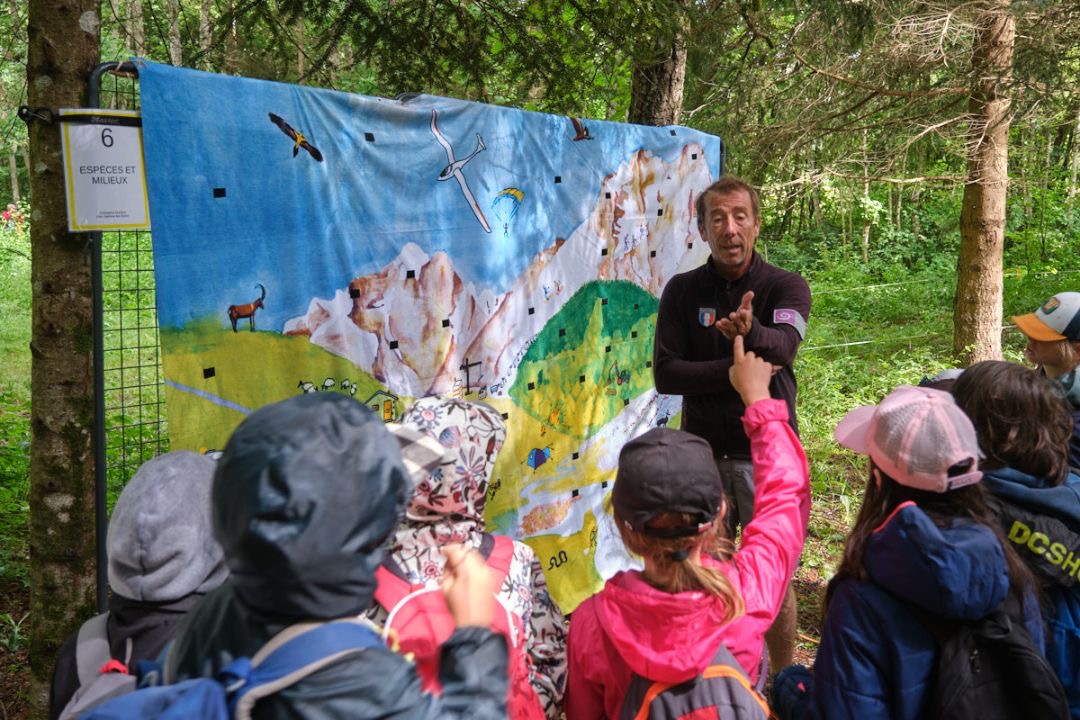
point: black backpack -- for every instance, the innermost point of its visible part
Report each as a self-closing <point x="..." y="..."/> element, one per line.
<point x="722" y="690"/>
<point x="990" y="669"/>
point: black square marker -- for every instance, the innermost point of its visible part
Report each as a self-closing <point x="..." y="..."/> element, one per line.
<point x="354" y="293"/>
<point x="660" y="212"/>
<point x="409" y="274"/>
<point x="648" y="363"/>
<point x="604" y="484"/>
<point x="607" y="349"/>
<point x="603" y="252"/>
<point x="652" y="253"/>
<point x="671" y="131"/>
<point x="393" y="344"/>
<point x="506" y="416"/>
<point x="532" y="311"/>
<point x="637" y="306"/>
<point x="633" y="333"/>
<point x="532" y="386"/>
<point x="219" y="192"/>
<point x="581" y="378"/>
<point x="575" y="492"/>
<point x="574" y="456"/>
<point x="562" y="332"/>
<point x="558" y="179"/>
<point x="625" y="402"/>
<point x="693" y="156"/>
<point x="603" y="301"/>
<point x="370" y="137"/>
<point x="446" y="322"/>
<point x="607" y="196"/>
<point x="208" y="373"/>
<point x="689" y="246"/>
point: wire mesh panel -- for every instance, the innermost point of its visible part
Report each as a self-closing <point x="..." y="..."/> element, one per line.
<point x="134" y="399"/>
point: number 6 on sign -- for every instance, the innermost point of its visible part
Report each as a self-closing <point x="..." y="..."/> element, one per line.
<point x="104" y="176"/>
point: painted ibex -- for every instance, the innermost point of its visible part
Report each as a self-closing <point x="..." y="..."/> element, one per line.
<point x="237" y="312"/>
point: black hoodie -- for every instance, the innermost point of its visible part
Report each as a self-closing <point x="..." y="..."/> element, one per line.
<point x="306" y="494"/>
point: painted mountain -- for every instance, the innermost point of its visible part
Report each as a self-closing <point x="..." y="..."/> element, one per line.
<point x="314" y="241"/>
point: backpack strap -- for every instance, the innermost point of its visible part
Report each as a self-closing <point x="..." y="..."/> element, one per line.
<point x="291" y="655"/>
<point x="92" y="648"/>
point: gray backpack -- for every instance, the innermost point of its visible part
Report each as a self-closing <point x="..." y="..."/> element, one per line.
<point x="91" y="656"/>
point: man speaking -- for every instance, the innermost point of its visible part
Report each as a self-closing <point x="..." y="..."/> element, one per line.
<point x="701" y="311"/>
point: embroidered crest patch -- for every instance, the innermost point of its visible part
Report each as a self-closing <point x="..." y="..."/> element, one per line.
<point x="788" y="316"/>
<point x="1051" y="305"/>
<point x="706" y="317"/>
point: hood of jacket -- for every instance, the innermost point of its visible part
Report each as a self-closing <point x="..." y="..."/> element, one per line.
<point x="1070" y="386"/>
<point x="1036" y="494"/>
<point x="306" y="493"/>
<point x="666" y="637"/>
<point x="448" y="503"/>
<point x="957" y="571"/>
<point x="160" y="542"/>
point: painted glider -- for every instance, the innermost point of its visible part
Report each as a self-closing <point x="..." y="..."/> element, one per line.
<point x="456" y="167"/>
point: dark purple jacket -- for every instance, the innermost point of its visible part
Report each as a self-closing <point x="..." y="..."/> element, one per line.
<point x="692" y="359"/>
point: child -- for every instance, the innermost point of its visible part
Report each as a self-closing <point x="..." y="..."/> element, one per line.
<point x="1053" y="333"/>
<point x="924" y="544"/>
<point x="162" y="560"/>
<point x="448" y="507"/>
<point x="307" y="493"/>
<point x="1023" y="427"/>
<point x="666" y="622"/>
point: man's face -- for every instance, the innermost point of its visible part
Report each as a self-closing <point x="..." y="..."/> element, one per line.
<point x="730" y="229"/>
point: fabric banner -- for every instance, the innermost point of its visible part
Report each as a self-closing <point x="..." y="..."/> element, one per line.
<point x="307" y="240"/>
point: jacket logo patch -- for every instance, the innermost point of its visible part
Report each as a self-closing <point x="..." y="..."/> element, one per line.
<point x="789" y="316"/>
<point x="706" y="316"/>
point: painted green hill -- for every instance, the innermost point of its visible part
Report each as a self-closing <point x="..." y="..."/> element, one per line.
<point x="590" y="360"/>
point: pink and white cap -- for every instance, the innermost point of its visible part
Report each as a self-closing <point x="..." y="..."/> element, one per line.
<point x="917" y="436"/>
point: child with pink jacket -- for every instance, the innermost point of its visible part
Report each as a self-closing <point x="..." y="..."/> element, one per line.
<point x="696" y="592"/>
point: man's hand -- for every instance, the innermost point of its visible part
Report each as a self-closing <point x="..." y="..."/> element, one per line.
<point x="750" y="375"/>
<point x="468" y="587"/>
<point x="740" y="321"/>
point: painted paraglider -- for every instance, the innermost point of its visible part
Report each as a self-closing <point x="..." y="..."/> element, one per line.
<point x="506" y="205"/>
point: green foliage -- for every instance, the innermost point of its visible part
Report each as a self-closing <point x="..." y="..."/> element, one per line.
<point x="12" y="636"/>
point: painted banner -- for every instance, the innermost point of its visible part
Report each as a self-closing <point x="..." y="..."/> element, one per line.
<point x="307" y="240"/>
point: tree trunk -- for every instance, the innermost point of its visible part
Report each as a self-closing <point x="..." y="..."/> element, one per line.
<point x="172" y="16"/>
<point x="135" y="27"/>
<point x="977" y="308"/>
<point x="13" y="166"/>
<point x="656" y="90"/>
<point x="866" y="204"/>
<point x="63" y="48"/>
<point x="205" y="33"/>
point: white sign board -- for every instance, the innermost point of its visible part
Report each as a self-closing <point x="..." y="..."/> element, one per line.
<point x="104" y="176"/>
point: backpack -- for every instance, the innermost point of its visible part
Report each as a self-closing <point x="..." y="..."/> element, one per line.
<point x="722" y="690"/>
<point x="990" y="669"/>
<point x="419" y="622"/>
<point x="291" y="655"/>
<point x="101" y="677"/>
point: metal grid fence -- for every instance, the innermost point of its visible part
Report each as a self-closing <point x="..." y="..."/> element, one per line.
<point x="134" y="400"/>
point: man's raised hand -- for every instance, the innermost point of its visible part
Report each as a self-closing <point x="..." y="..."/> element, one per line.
<point x="740" y="321"/>
<point x="750" y="375"/>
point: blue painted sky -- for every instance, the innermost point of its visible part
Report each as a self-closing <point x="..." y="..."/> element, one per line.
<point x="305" y="228"/>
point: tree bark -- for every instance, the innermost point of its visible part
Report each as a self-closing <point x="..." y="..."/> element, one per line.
<point x="136" y="28"/>
<point x="205" y="33"/>
<point x="977" y="308"/>
<point x="13" y="167"/>
<point x="63" y="48"/>
<point x="172" y="16"/>
<point x="656" y="90"/>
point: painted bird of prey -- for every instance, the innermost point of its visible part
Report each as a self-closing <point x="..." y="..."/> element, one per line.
<point x="581" y="132"/>
<point x="456" y="167"/>
<point x="299" y="141"/>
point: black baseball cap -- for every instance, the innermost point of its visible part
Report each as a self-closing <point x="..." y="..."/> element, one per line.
<point x="667" y="470"/>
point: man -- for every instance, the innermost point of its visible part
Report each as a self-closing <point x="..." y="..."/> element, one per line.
<point x="701" y="312"/>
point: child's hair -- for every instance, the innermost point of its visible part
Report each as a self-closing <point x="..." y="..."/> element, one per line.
<point x="1020" y="417"/>
<point x="674" y="571"/>
<point x="883" y="495"/>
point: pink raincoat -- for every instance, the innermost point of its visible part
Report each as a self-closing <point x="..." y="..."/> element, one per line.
<point x="630" y="626"/>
